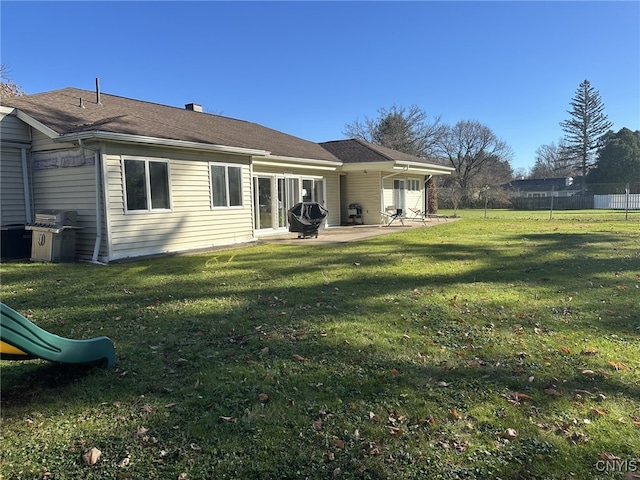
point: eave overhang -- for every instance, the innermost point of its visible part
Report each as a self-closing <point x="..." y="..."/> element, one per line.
<point x="297" y="162"/>
<point x="411" y="168"/>
<point x="155" y="141"/>
<point x="29" y="120"/>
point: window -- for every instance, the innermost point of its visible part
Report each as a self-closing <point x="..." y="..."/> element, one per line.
<point x="399" y="195"/>
<point x="226" y="186"/>
<point x="146" y="185"/>
<point x="413" y="185"/>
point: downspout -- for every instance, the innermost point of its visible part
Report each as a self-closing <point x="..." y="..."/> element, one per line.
<point x="25" y="186"/>
<point x="98" y="241"/>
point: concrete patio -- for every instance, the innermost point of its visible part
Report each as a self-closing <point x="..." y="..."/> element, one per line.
<point x="353" y="233"/>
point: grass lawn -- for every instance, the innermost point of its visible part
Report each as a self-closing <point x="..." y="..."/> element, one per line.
<point x="505" y="347"/>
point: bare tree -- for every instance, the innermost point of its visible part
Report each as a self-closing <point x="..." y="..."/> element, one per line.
<point x="405" y="130"/>
<point x="7" y="87"/>
<point x="553" y="160"/>
<point x="471" y="148"/>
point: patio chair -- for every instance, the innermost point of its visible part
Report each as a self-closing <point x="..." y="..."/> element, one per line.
<point x="391" y="214"/>
<point x="420" y="215"/>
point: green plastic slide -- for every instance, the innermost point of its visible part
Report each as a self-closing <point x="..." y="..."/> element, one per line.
<point x="20" y="339"/>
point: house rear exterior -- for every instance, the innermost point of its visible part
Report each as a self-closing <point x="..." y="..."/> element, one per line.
<point x="149" y="179"/>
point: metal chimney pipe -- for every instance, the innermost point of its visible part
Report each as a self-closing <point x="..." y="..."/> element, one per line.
<point x="98" y="91"/>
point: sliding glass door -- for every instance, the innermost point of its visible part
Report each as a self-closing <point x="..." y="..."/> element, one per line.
<point x="275" y="195"/>
<point x="288" y="196"/>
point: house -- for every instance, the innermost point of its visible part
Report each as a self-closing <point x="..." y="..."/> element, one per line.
<point x="378" y="178"/>
<point x="148" y="179"/>
<point x="543" y="187"/>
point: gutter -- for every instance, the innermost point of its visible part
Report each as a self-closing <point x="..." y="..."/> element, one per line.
<point x="163" y="142"/>
<point x="98" y="241"/>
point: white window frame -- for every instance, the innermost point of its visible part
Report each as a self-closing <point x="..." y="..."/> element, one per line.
<point x="413" y="185"/>
<point x="147" y="185"/>
<point x="226" y="167"/>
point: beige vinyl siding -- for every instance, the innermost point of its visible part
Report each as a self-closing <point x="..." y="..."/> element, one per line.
<point x="13" y="134"/>
<point x="364" y="189"/>
<point x="13" y="129"/>
<point x="71" y="188"/>
<point x="191" y="223"/>
<point x="40" y="142"/>
<point x="332" y="198"/>
<point x="13" y="205"/>
<point x="415" y="199"/>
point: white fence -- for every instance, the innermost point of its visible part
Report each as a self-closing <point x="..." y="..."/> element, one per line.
<point x="617" y="201"/>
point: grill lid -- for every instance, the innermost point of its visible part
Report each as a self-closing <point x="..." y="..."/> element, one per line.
<point x="56" y="218"/>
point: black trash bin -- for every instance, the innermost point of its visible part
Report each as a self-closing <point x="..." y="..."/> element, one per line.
<point x="306" y="218"/>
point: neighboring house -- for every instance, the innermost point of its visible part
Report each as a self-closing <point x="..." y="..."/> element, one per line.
<point x="149" y="179"/>
<point x="379" y="178"/>
<point x="543" y="187"/>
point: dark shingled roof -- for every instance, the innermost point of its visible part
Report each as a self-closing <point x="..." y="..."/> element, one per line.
<point x="359" y="151"/>
<point x="557" y="184"/>
<point x="61" y="111"/>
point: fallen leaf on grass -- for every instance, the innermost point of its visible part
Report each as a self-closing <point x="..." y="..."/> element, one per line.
<point x="454" y="414"/>
<point x="597" y="411"/>
<point x="635" y="420"/>
<point x="146" y="409"/>
<point x="338" y="442"/>
<point x="589" y="351"/>
<point x="428" y="421"/>
<point x="300" y="358"/>
<point x="618" y="366"/>
<point x="229" y="419"/>
<point x="317" y="425"/>
<point x="521" y="396"/>
<point x="124" y="462"/>
<point x="552" y="392"/>
<point x="510" y="434"/>
<point x="92" y="456"/>
<point x="170" y="405"/>
<point x="263" y="397"/>
<point x="395" y="430"/>
<point x="566" y="350"/>
<point x="577" y="437"/>
<point x="607" y="456"/>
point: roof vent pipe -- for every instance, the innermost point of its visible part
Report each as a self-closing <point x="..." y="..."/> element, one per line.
<point x="98" y="91"/>
<point x="81" y="103"/>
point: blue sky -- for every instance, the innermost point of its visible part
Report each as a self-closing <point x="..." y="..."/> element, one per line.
<point x="310" y="68"/>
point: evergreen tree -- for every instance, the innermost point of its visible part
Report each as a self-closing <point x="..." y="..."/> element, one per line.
<point x="584" y="130"/>
<point x="618" y="163"/>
